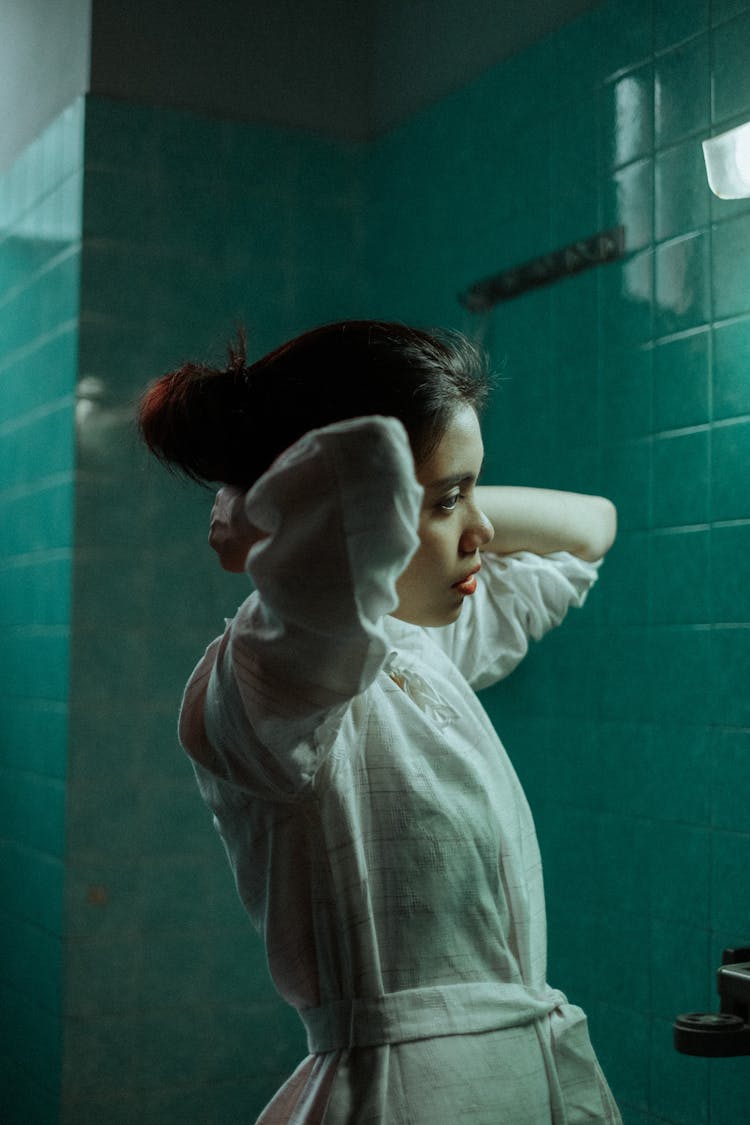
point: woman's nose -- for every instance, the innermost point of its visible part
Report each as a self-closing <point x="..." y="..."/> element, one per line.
<point x="478" y="534"/>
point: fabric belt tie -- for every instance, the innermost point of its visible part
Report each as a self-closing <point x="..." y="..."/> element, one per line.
<point x="425" y="1013"/>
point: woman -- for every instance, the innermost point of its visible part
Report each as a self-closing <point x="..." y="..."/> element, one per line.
<point x="378" y="835"/>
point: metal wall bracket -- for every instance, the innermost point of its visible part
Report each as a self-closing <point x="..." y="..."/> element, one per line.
<point x="606" y="246"/>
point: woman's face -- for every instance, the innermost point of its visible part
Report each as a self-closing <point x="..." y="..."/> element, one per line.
<point x="452" y="528"/>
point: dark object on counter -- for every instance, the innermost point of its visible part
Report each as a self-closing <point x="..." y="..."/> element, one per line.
<point x="725" y="1033"/>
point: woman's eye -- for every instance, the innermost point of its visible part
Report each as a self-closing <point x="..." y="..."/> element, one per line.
<point x="449" y="503"/>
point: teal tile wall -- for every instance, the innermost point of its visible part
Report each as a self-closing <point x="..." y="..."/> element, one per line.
<point x="40" y="242"/>
<point x="631" y="380"/>
<point x="629" y="727"/>
<point x="190" y="226"/>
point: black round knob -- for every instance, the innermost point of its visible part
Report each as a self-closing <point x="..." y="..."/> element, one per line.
<point x="709" y="1021"/>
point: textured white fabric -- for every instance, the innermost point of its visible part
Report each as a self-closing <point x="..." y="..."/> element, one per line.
<point x="379" y="837"/>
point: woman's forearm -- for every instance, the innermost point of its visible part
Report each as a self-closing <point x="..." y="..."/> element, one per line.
<point x="545" y="520"/>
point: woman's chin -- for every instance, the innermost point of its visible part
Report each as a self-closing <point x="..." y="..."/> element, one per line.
<point x="446" y="617"/>
<point x="430" y="616"/>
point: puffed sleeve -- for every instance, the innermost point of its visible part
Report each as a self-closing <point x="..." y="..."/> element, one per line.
<point x="338" y="514"/>
<point x="519" y="598"/>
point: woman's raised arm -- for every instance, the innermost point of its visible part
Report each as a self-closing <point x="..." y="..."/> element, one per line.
<point x="545" y="520"/>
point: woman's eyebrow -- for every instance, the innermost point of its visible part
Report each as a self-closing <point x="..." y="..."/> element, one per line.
<point x="452" y="481"/>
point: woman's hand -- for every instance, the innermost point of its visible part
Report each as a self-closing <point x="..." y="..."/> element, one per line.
<point x="230" y="533"/>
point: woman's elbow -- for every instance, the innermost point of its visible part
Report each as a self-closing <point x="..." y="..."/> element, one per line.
<point x="602" y="531"/>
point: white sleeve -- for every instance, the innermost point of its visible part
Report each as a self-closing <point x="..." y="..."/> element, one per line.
<point x="339" y="512"/>
<point x="519" y="597"/>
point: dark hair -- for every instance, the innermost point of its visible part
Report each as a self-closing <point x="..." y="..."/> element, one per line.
<point x="229" y="425"/>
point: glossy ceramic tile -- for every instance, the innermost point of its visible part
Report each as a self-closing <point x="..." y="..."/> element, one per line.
<point x="627" y="394"/>
<point x="163" y="825"/>
<point x="577" y="60"/>
<point x="731" y="666"/>
<point x="573" y="169"/>
<point x="633" y="752"/>
<point x="681" y="668"/>
<point x="627" y="480"/>
<point x="730" y="748"/>
<point x="606" y="839"/>
<point x="731" y="384"/>
<point x="121" y="134"/>
<point x="681" y="192"/>
<point x="54" y="361"/>
<point x="680" y="573"/>
<point x="35" y="662"/>
<point x="680" y="763"/>
<point x="729" y="1097"/>
<point x="35" y="737"/>
<point x="722" y="10"/>
<point x="41" y="518"/>
<point x="626" y="1063"/>
<point x="730" y="596"/>
<point x="33" y="962"/>
<point x="626" y="689"/>
<point x="33" y="884"/>
<point x="126" y="890"/>
<point x="625" y="580"/>
<point x="730" y="72"/>
<point x="626" y="302"/>
<point x="38" y="358"/>
<point x="574" y="317"/>
<point x="681" y="968"/>
<point x="41" y="195"/>
<point x="731" y="855"/>
<point x="34" y="816"/>
<point x="682" y="376"/>
<point x="730" y="276"/>
<point x="682" y="92"/>
<point x="625" y="35"/>
<point x="36" y="1036"/>
<point x="677" y="20"/>
<point x="730" y="491"/>
<point x="628" y="201"/>
<point x="681" y="479"/>
<point x="47" y="298"/>
<point x="578" y="955"/>
<point x="680" y="1089"/>
<point x="681" y="290"/>
<point x="626" y="117"/>
<point x="624" y="752"/>
<point x="681" y="879"/>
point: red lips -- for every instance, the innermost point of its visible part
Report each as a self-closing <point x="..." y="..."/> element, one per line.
<point x="467" y="584"/>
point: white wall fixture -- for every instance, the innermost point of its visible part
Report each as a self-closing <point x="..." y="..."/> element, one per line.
<point x="728" y="163"/>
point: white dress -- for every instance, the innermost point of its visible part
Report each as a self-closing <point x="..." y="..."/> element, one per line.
<point x="378" y="834"/>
